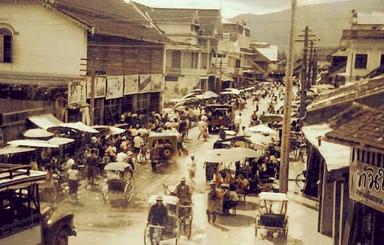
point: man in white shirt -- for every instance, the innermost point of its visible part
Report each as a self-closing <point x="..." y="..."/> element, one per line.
<point x="137" y="143"/>
<point x="238" y="121"/>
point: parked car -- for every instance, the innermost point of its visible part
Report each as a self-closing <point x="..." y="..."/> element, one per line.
<point x="220" y="115"/>
<point x="22" y="221"/>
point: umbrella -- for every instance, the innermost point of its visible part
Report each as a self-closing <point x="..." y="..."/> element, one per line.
<point x="174" y="100"/>
<point x="244" y="152"/>
<point x="33" y="143"/>
<point x="112" y="130"/>
<point x="14" y="149"/>
<point x="271" y="118"/>
<point x="79" y="126"/>
<point x="220" y="155"/>
<point x="263" y="129"/>
<point x="60" y="141"/>
<point x="198" y="90"/>
<point x="37" y="133"/>
<point x="116" y="166"/>
<point x="260" y="140"/>
<point x="190" y="95"/>
<point x="208" y="95"/>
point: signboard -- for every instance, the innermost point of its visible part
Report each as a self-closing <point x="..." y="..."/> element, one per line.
<point x="100" y="87"/>
<point x="157" y="82"/>
<point x="145" y="82"/>
<point x="115" y="87"/>
<point x="77" y="92"/>
<point x="366" y="184"/>
<point x="131" y="84"/>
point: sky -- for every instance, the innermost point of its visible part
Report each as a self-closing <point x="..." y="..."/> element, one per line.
<point x="231" y="8"/>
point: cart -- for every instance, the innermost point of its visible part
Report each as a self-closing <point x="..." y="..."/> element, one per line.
<point x="272" y="214"/>
<point x="172" y="229"/>
<point x="119" y="183"/>
<point x="162" y="147"/>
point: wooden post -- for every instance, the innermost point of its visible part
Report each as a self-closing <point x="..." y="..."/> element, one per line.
<point x="285" y="145"/>
<point x="303" y="81"/>
<point x="92" y="99"/>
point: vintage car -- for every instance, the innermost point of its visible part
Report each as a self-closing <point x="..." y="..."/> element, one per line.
<point x="22" y="221"/>
<point x="219" y="115"/>
<point x="162" y="147"/>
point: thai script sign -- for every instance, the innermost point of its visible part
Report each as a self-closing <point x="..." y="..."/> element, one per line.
<point x="367" y="185"/>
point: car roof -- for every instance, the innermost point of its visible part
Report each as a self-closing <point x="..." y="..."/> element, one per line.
<point x="16" y="175"/>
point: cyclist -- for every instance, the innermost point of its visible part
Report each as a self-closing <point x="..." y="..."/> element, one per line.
<point x="158" y="216"/>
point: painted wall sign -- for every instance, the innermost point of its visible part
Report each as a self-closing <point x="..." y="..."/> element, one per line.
<point x="100" y="87"/>
<point x="131" y="84"/>
<point x="77" y="92"/>
<point x="115" y="87"/>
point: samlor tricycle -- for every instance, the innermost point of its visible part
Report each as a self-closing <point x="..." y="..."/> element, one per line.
<point x="272" y="215"/>
<point x="119" y="183"/>
<point x="172" y="229"/>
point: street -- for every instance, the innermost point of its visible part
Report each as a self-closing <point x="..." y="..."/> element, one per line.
<point x="100" y="223"/>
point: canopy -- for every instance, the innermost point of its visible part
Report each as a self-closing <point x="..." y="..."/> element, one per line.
<point x="244" y="152"/>
<point x="33" y="143"/>
<point x="263" y="129"/>
<point x="271" y="118"/>
<point x="260" y="140"/>
<point x="233" y="90"/>
<point x="116" y="166"/>
<point x="272" y="196"/>
<point x="45" y="121"/>
<point x="60" y="141"/>
<point x="17" y="181"/>
<point x="37" y="133"/>
<point x="336" y="156"/>
<point x="79" y="126"/>
<point x="14" y="149"/>
<point x="207" y="95"/>
<point x="113" y="130"/>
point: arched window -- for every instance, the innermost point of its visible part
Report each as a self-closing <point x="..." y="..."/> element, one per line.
<point x="5" y="46"/>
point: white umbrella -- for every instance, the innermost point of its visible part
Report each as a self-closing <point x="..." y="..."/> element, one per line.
<point x="37" y="133"/>
<point x="112" y="129"/>
<point x="79" y="126"/>
<point x="233" y="90"/>
<point x="208" y="95"/>
<point x="260" y="140"/>
<point x="263" y="129"/>
<point x="220" y="156"/>
<point x="60" y="141"/>
<point x="244" y="152"/>
<point x="14" y="149"/>
<point x="33" y="143"/>
<point x="116" y="166"/>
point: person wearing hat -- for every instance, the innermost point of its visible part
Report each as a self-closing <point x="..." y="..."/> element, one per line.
<point x="214" y="202"/>
<point x="158" y="215"/>
<point x="184" y="192"/>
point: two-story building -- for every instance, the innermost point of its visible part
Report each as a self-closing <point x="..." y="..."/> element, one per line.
<point x="50" y="49"/>
<point x="194" y="34"/>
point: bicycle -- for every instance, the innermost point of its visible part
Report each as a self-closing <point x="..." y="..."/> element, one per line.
<point x="186" y="217"/>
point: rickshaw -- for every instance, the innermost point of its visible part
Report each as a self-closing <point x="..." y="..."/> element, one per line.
<point x="272" y="215"/>
<point x="119" y="182"/>
<point x="162" y="147"/>
<point x="185" y="212"/>
<point x="172" y="229"/>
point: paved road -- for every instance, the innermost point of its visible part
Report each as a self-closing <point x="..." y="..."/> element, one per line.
<point x="98" y="223"/>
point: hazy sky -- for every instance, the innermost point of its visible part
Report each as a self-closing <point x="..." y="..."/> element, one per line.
<point x="231" y="8"/>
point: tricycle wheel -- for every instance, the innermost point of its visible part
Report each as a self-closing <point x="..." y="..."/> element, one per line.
<point x="61" y="237"/>
<point x="187" y="227"/>
<point x="146" y="236"/>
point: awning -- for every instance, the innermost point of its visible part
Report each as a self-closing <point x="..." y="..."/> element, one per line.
<point x="79" y="126"/>
<point x="45" y="121"/>
<point x="32" y="143"/>
<point x="336" y="156"/>
<point x="14" y="150"/>
<point x="109" y="129"/>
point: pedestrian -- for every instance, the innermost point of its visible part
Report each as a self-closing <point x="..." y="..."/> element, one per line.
<point x="192" y="170"/>
<point x="92" y="163"/>
<point x="73" y="180"/>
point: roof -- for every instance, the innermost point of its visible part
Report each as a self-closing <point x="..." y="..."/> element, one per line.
<point x="112" y="17"/>
<point x="269" y="52"/>
<point x="360" y="125"/>
<point x="12" y="175"/>
<point x="273" y="196"/>
<point x="348" y="93"/>
<point x="206" y="18"/>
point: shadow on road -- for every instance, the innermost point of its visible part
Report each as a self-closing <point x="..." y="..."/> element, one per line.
<point x="237" y="220"/>
<point x="247" y="206"/>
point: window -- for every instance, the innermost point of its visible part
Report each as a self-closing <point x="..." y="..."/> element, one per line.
<point x="5" y="46"/>
<point x="176" y="59"/>
<point x="238" y="63"/>
<point x="195" y="60"/>
<point x="361" y="61"/>
<point x="382" y="60"/>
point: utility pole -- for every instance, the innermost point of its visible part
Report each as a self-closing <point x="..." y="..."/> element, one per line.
<point x="314" y="66"/>
<point x="286" y="133"/>
<point x="303" y="80"/>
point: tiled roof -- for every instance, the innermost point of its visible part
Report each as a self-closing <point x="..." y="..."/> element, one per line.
<point x="358" y="125"/>
<point x="208" y="18"/>
<point x="112" y="17"/>
<point x="351" y="92"/>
